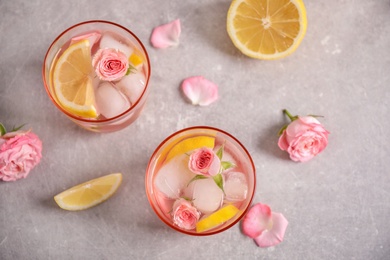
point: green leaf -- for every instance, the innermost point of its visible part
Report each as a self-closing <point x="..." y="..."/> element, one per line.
<point x="3" y="131"/>
<point x="197" y="177"/>
<point x="130" y="69"/>
<point x="220" y="152"/>
<point x="315" y="116"/>
<point x="187" y="199"/>
<point x="17" y="128"/>
<point x="219" y="181"/>
<point x="282" y="129"/>
<point x="227" y="165"/>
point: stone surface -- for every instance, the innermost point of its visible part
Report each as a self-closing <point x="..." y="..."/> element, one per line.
<point x="337" y="204"/>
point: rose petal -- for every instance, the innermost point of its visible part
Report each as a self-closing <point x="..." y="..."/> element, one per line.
<point x="296" y="128"/>
<point x="303" y="124"/>
<point x="200" y="90"/>
<point x="93" y="37"/>
<point x="15" y="133"/>
<point x="275" y="235"/>
<point x="166" y="35"/>
<point x="282" y="142"/>
<point x="257" y="220"/>
<point x="309" y="120"/>
<point x="215" y="166"/>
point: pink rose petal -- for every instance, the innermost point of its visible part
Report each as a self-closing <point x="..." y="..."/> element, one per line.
<point x="257" y="220"/>
<point x="275" y="235"/>
<point x="166" y="35"/>
<point x="9" y="135"/>
<point x="200" y="90"/>
<point x="282" y="142"/>
<point x="93" y="37"/>
<point x="265" y="227"/>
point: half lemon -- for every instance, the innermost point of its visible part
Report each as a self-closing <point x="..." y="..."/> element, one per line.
<point x="265" y="29"/>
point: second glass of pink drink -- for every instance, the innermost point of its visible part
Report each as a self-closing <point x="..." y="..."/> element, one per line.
<point x="200" y="181"/>
<point x="97" y="73"/>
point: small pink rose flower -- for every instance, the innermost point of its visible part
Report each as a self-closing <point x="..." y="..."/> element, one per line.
<point x="20" y="152"/>
<point x="303" y="138"/>
<point x="200" y="91"/>
<point x="166" y="35"/>
<point x="110" y="64"/>
<point x="205" y="162"/>
<point x="184" y="214"/>
<point x="267" y="228"/>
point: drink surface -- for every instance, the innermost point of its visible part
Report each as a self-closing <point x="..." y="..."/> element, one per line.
<point x="208" y="202"/>
<point x="98" y="74"/>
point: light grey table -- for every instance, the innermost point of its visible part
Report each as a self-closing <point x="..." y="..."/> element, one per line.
<point x="338" y="204"/>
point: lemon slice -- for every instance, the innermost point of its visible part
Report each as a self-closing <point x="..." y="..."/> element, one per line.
<point x="265" y="29"/>
<point x="136" y="59"/>
<point x="190" y="144"/>
<point x="217" y="218"/>
<point x="72" y="83"/>
<point x="90" y="193"/>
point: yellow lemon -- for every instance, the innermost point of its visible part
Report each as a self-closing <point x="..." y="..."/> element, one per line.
<point x="72" y="83"/>
<point x="265" y="29"/>
<point x="217" y="218"/>
<point x="190" y="144"/>
<point x="90" y="193"/>
<point x="136" y="59"/>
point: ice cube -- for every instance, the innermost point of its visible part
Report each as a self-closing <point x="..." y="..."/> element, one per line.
<point x="189" y="191"/>
<point x="132" y="85"/>
<point x="110" y="102"/>
<point x="235" y="186"/>
<point x="207" y="196"/>
<point x="174" y="177"/>
<point x="110" y="40"/>
<point x="227" y="157"/>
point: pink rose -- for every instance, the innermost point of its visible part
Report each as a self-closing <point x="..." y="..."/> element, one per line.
<point x="19" y="152"/>
<point x="205" y="162"/>
<point x="184" y="214"/>
<point x="303" y="138"/>
<point x="110" y="64"/>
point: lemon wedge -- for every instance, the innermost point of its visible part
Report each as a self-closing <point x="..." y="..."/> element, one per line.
<point x="266" y="29"/>
<point x="72" y="83"/>
<point x="136" y="59"/>
<point x="190" y="144"/>
<point x="90" y="193"/>
<point x="217" y="218"/>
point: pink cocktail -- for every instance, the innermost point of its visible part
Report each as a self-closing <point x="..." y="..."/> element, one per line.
<point x="97" y="74"/>
<point x="200" y="181"/>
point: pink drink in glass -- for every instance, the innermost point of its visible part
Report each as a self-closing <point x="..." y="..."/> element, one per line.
<point x="117" y="102"/>
<point x="170" y="182"/>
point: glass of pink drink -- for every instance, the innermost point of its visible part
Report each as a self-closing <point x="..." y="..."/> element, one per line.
<point x="114" y="102"/>
<point x="200" y="181"/>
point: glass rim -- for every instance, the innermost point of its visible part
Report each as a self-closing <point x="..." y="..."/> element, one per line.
<point x="87" y="120"/>
<point x="149" y="195"/>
